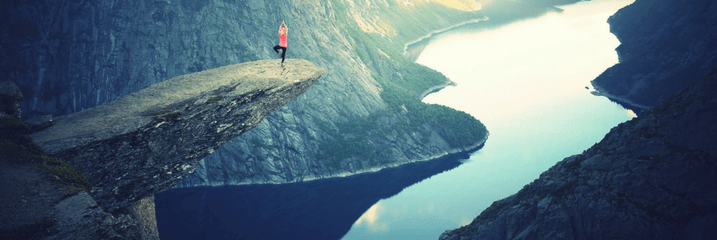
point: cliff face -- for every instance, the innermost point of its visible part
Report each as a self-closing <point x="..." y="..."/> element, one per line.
<point x="649" y="178"/>
<point x="664" y="45"/>
<point x="68" y="56"/>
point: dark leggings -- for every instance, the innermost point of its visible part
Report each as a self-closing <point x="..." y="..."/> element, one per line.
<point x="283" y="52"/>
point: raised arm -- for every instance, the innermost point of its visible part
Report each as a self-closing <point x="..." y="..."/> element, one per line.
<point x="284" y="30"/>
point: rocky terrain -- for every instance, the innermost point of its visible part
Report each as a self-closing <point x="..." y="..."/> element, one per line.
<point x="67" y="56"/>
<point x="664" y="45"/>
<point x="144" y="143"/>
<point x="649" y="178"/>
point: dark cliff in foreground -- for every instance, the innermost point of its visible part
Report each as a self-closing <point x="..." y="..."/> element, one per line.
<point x="144" y="143"/>
<point x="664" y="46"/>
<point x="652" y="177"/>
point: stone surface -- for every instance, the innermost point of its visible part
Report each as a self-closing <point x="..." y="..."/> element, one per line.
<point x="39" y="123"/>
<point x="652" y="177"/>
<point x="79" y="216"/>
<point x="143" y="211"/>
<point x="145" y="142"/>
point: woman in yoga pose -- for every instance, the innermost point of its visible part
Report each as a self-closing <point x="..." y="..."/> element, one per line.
<point x="283" y="31"/>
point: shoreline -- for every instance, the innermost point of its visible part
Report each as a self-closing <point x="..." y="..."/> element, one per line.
<point x="451" y="152"/>
<point x="439" y="31"/>
<point x="600" y="91"/>
<point x="437" y="88"/>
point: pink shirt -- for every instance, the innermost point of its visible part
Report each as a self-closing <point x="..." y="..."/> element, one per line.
<point x="282" y="38"/>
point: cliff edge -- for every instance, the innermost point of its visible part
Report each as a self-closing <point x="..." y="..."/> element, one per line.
<point x="145" y="142"/>
<point x="649" y="178"/>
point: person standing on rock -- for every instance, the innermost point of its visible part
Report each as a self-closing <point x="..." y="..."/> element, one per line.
<point x="283" y="31"/>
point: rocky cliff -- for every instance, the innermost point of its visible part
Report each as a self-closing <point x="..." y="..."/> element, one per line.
<point x="649" y="178"/>
<point x="664" y="45"/>
<point x="147" y="141"/>
<point x="68" y="56"/>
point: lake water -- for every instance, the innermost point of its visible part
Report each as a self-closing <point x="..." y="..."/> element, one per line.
<point x="525" y="81"/>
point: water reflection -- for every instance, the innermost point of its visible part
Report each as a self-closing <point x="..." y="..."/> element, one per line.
<point x="370" y="219"/>
<point x="321" y="209"/>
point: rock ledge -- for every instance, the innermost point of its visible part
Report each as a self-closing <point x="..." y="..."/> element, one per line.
<point x="145" y="142"/>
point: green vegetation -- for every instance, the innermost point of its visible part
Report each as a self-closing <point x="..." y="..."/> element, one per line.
<point x="67" y="173"/>
<point x="37" y="230"/>
<point x="352" y="139"/>
<point x="384" y="56"/>
<point x="17" y="147"/>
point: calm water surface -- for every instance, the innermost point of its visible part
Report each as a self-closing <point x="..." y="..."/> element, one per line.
<point x="525" y="81"/>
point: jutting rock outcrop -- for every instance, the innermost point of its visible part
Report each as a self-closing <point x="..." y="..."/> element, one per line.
<point x="147" y="141"/>
<point x="652" y="177"/>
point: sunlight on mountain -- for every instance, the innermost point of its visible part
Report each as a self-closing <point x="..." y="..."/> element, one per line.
<point x="466" y="5"/>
